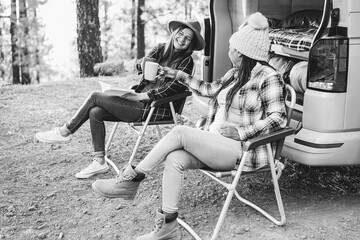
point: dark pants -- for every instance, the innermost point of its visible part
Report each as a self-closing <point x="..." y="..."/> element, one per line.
<point x="99" y="107"/>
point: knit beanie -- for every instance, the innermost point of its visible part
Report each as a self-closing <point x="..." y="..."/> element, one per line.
<point x="252" y="37"/>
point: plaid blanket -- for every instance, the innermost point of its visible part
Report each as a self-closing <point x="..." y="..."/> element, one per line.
<point x="296" y="39"/>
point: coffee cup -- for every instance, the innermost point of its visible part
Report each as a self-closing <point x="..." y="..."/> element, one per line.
<point x="151" y="69"/>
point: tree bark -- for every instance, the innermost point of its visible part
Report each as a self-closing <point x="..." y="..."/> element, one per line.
<point x="106" y="28"/>
<point x="133" y="30"/>
<point x="140" y="30"/>
<point x="88" y="31"/>
<point x="24" y="52"/>
<point x="2" y="56"/>
<point x="37" y="51"/>
<point x="14" y="46"/>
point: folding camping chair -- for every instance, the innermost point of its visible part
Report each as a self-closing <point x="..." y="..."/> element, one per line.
<point x="178" y="98"/>
<point x="275" y="167"/>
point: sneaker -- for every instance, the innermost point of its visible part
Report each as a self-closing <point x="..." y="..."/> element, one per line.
<point x="52" y="136"/>
<point x="94" y="168"/>
<point x="124" y="186"/>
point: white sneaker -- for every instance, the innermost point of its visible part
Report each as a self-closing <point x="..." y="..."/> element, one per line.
<point x="52" y="136"/>
<point x="94" y="168"/>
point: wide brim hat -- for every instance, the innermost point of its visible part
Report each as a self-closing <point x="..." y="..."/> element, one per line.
<point x="193" y="25"/>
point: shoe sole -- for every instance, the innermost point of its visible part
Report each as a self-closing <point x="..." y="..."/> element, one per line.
<point x="92" y="174"/>
<point x="39" y="139"/>
<point x="126" y="197"/>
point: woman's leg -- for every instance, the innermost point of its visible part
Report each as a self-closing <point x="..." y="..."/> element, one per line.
<point x="213" y="149"/>
<point x="106" y="109"/>
<point x="196" y="150"/>
<point x="124" y="110"/>
<point x="173" y="177"/>
<point x="97" y="117"/>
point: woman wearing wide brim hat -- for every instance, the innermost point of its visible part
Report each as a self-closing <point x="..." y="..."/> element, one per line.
<point x="99" y="107"/>
<point x="193" y="25"/>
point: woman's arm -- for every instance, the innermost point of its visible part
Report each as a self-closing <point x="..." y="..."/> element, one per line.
<point x="204" y="88"/>
<point x="172" y="86"/>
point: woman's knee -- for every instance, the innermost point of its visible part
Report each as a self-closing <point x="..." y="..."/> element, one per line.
<point x="176" y="160"/>
<point x="95" y="94"/>
<point x="96" y="113"/>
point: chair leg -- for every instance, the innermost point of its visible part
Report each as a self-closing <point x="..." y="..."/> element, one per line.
<point x="107" y="159"/>
<point x="173" y="113"/>
<point x="142" y="132"/>
<point x="276" y="186"/>
<point x="137" y="144"/>
<point x="116" y="124"/>
<point x="276" y="190"/>
<point x="189" y="229"/>
<point x="222" y="214"/>
<point x="159" y="131"/>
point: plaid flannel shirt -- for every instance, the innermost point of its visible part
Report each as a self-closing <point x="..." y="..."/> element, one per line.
<point x="261" y="104"/>
<point x="168" y="87"/>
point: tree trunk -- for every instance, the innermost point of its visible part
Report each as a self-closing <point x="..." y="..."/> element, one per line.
<point x="106" y="28"/>
<point x="14" y="46"/>
<point x="140" y="31"/>
<point x="24" y="53"/>
<point x="2" y="56"/>
<point x="133" y="30"/>
<point x="37" y="51"/>
<point x="188" y="9"/>
<point x="88" y="40"/>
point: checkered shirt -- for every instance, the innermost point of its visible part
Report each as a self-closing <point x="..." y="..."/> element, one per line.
<point x="168" y="87"/>
<point x="261" y="104"/>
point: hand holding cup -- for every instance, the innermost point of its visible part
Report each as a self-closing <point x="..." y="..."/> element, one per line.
<point x="151" y="70"/>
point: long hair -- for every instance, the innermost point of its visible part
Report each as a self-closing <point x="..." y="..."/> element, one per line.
<point x="171" y="58"/>
<point x="244" y="70"/>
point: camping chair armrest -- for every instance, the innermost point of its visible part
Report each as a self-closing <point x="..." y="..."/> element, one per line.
<point x="162" y="101"/>
<point x="268" y="138"/>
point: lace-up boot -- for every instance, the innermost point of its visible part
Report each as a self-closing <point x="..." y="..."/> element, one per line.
<point x="124" y="186"/>
<point x="164" y="228"/>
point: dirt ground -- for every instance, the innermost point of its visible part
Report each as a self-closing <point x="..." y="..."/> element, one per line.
<point x="41" y="199"/>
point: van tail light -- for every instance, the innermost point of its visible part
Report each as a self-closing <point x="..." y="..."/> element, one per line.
<point x="328" y="64"/>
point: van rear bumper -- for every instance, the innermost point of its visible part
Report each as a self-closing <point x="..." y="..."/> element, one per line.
<point x="323" y="149"/>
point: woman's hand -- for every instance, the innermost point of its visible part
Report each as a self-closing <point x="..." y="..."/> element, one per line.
<point x="229" y="131"/>
<point x="136" y="96"/>
<point x="169" y="72"/>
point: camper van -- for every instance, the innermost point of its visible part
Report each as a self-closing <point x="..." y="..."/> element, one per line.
<point x="315" y="45"/>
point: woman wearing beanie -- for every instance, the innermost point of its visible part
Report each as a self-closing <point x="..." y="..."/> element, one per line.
<point x="246" y="102"/>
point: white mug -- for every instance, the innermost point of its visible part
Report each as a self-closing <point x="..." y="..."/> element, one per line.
<point x="151" y="69"/>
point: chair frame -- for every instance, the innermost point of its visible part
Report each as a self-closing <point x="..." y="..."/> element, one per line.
<point x="147" y="123"/>
<point x="275" y="167"/>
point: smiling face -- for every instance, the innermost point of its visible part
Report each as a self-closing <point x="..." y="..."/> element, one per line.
<point x="182" y="39"/>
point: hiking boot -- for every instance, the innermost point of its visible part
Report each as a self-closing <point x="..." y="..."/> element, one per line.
<point x="124" y="186"/>
<point x="163" y="229"/>
<point x="94" y="168"/>
<point x="52" y="136"/>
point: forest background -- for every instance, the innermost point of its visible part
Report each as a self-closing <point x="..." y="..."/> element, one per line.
<point x="43" y="40"/>
<point x="39" y="198"/>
